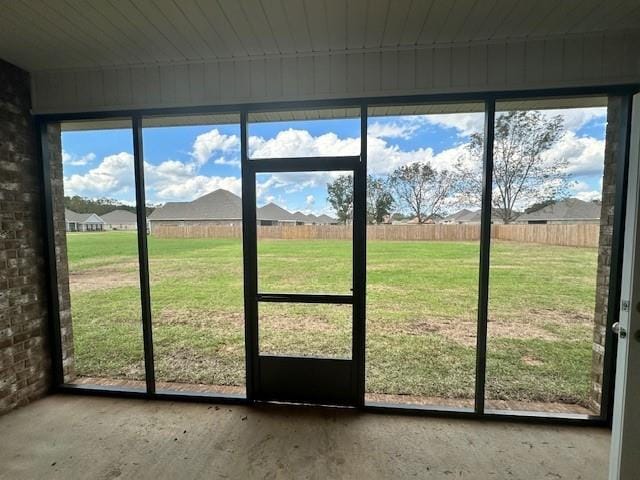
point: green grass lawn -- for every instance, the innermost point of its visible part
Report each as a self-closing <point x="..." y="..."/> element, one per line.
<point x="421" y="312"/>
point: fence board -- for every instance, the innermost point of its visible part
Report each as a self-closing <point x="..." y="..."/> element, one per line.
<point x="574" y="235"/>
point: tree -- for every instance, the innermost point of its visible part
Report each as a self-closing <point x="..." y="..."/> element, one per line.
<point x="340" y="196"/>
<point x="521" y="173"/>
<point x="422" y="189"/>
<point x="538" y="206"/>
<point x="379" y="199"/>
<point x="99" y="206"/>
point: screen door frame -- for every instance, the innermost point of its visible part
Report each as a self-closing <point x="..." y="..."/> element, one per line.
<point x="327" y="381"/>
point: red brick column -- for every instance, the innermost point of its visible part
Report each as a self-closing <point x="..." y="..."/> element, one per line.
<point x="24" y="354"/>
<point x="64" y="299"/>
<point x="604" y="249"/>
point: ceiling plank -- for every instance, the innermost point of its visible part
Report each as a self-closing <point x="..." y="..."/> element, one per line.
<point x="100" y="29"/>
<point x="436" y="17"/>
<point x="336" y="24"/>
<point x="123" y="27"/>
<point x="169" y="28"/>
<point x="54" y="40"/>
<point x="174" y="13"/>
<point x="457" y="17"/>
<point x="117" y="31"/>
<point x="256" y="16"/>
<point x="142" y="24"/>
<point x="491" y="24"/>
<point x="356" y="23"/>
<point x="244" y="31"/>
<point x="296" y="16"/>
<point x="416" y="18"/>
<point x="318" y="29"/>
<point x="217" y="46"/>
<point x="376" y="20"/>
<point x="219" y="22"/>
<point x="395" y="24"/>
<point x="278" y="21"/>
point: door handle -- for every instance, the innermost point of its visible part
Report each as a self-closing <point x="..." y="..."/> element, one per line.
<point x="619" y="330"/>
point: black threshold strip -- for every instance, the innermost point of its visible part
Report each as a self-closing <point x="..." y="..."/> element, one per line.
<point x="304" y="298"/>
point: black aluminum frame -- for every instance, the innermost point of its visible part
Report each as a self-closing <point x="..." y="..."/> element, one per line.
<point x="359" y="271"/>
<point x="317" y="380"/>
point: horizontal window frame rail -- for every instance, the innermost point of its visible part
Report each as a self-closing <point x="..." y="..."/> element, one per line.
<point x="303" y="164"/>
<point x="290" y="164"/>
<point x="332" y="299"/>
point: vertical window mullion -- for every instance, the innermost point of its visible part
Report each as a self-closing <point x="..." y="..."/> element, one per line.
<point x="359" y="260"/>
<point x="143" y="255"/>
<point x="249" y="258"/>
<point x="485" y="249"/>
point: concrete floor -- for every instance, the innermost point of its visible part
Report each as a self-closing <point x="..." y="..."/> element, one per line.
<point x="71" y="437"/>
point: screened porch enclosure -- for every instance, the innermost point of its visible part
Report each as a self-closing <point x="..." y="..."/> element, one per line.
<point x="449" y="314"/>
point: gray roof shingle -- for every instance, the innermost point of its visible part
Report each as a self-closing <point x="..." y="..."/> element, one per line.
<point x="71" y="216"/>
<point x="120" y="217"/>
<point x="224" y="205"/>
<point x="568" y="209"/>
<point x="217" y="205"/>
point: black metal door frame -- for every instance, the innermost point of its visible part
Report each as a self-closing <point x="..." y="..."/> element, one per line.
<point x="304" y="379"/>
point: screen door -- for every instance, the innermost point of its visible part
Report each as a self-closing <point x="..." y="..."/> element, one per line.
<point x="304" y="290"/>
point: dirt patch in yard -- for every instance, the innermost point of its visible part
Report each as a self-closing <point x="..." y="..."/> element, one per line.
<point x="199" y="318"/>
<point x="464" y="331"/>
<point x="104" y="278"/>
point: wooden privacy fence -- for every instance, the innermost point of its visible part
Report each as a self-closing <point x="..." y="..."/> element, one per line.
<point x="570" y="235"/>
<point x="574" y="235"/>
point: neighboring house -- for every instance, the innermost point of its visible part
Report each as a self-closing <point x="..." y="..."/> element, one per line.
<point x="326" y="220"/>
<point x="222" y="207"/>
<point x="272" y="214"/>
<point x="570" y="210"/>
<point x="458" y="217"/>
<point x="305" y="219"/>
<point x="120" y="220"/>
<point x="82" y="222"/>
<point x="465" y="216"/>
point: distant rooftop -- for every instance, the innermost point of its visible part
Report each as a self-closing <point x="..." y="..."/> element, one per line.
<point x="568" y="209"/>
<point x="224" y="205"/>
<point x="120" y="217"/>
<point x="71" y="216"/>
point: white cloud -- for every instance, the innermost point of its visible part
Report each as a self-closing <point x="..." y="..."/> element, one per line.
<point x="464" y="123"/>
<point x="585" y="155"/>
<point x="300" y="143"/>
<point x="227" y="161"/>
<point x="404" y="129"/>
<point x="74" y="160"/>
<point x="473" y="122"/>
<point x="208" y="143"/>
<point x="113" y="177"/>
<point x="575" y="118"/>
<point x="584" y="191"/>
<point x="170" y="180"/>
<point x="167" y="189"/>
<point x="580" y="186"/>
<point x="588" y="196"/>
<point x="310" y="201"/>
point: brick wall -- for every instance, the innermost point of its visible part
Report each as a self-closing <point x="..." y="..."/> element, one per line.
<point x="57" y="191"/>
<point x="604" y="250"/>
<point x="24" y="357"/>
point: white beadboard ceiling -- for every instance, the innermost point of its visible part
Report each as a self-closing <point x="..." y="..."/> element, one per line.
<point x="44" y="35"/>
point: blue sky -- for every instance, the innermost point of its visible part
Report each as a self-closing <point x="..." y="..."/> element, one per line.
<point x="183" y="163"/>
